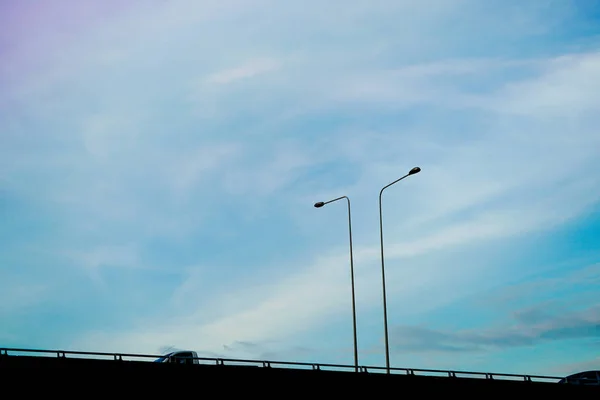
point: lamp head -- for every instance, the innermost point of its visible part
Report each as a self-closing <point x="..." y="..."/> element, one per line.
<point x="319" y="204"/>
<point x="415" y="170"/>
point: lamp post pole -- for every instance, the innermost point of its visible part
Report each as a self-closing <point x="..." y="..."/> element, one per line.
<point x="319" y="205"/>
<point x="385" y="319"/>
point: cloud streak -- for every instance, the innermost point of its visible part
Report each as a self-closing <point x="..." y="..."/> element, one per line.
<point x="251" y="69"/>
<point x="529" y="328"/>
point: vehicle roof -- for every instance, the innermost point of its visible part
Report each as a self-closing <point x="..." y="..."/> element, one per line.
<point x="173" y="353"/>
<point x="584" y="372"/>
<point x="178" y="351"/>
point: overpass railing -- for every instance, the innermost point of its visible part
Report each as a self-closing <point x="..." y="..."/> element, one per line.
<point x="281" y="364"/>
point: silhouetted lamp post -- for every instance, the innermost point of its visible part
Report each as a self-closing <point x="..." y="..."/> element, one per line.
<point x="413" y="171"/>
<point x="319" y="205"/>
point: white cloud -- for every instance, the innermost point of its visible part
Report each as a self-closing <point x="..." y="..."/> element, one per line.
<point x="568" y="87"/>
<point x="247" y="70"/>
<point x="522" y="160"/>
<point x="516" y="202"/>
<point x="299" y="302"/>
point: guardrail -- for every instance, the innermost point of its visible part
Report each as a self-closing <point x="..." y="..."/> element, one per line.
<point x="285" y="364"/>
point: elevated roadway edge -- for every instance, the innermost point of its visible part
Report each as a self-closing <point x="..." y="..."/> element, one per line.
<point x="72" y="374"/>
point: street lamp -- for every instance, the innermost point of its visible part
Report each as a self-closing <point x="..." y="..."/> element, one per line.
<point x="413" y="171"/>
<point x="319" y="205"/>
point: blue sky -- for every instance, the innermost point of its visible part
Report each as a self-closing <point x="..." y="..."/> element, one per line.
<point x="159" y="161"/>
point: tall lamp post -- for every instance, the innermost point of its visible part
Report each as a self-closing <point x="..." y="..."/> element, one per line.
<point x="413" y="171"/>
<point x="319" y="205"/>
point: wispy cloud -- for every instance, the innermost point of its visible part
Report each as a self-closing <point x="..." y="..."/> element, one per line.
<point x="185" y="143"/>
<point x="248" y="70"/>
<point x="528" y="328"/>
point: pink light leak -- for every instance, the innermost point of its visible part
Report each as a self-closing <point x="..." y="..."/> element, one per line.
<point x="38" y="26"/>
<point x="30" y="31"/>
